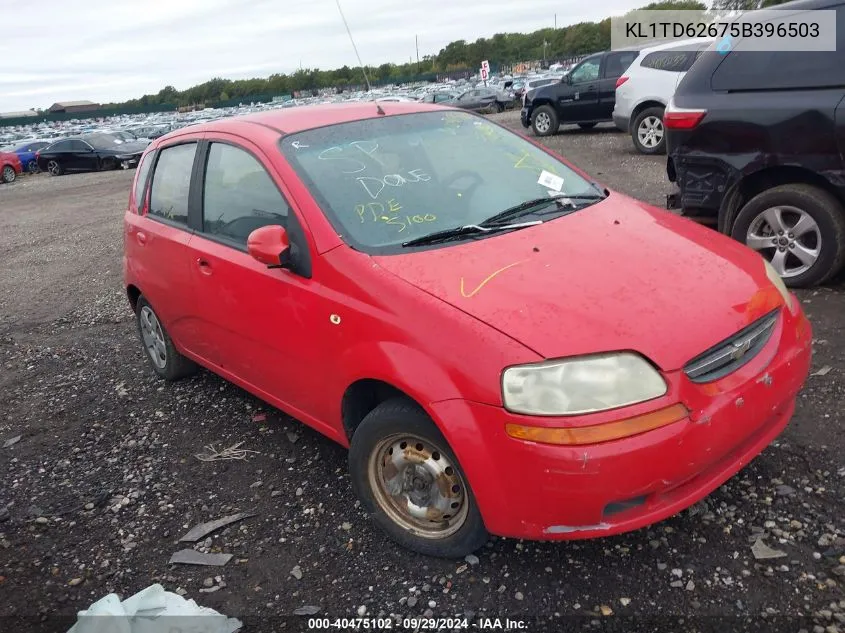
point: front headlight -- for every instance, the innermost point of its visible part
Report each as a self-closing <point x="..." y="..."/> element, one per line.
<point x="581" y="385"/>
<point x="777" y="282"/>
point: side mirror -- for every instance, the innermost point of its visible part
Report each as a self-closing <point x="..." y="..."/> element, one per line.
<point x="270" y="246"/>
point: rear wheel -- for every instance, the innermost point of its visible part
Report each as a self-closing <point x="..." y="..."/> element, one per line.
<point x="32" y="167"/>
<point x="9" y="174"/>
<point x="55" y="168"/>
<point x="799" y="229"/>
<point x="545" y="121"/>
<point x="409" y="480"/>
<point x="648" y="133"/>
<point x="166" y="361"/>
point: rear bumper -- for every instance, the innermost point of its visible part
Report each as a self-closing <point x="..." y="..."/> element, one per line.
<point x="544" y="492"/>
<point x="621" y="122"/>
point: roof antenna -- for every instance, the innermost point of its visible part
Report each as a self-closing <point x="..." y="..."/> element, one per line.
<point x="360" y="63"/>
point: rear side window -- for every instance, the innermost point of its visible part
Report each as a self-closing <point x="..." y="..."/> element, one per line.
<point x="172" y="183"/>
<point x="239" y="195"/>
<point x="61" y="146"/>
<point x="670" y="61"/>
<point x="141" y="179"/>
<point x="783" y="70"/>
<point x="617" y="63"/>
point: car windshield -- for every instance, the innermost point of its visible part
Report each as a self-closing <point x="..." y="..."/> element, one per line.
<point x="389" y="180"/>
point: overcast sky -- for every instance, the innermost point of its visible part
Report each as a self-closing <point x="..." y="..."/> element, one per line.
<point x="112" y="50"/>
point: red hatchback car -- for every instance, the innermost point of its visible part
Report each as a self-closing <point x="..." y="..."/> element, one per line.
<point x="505" y="346"/>
<point x="10" y="166"/>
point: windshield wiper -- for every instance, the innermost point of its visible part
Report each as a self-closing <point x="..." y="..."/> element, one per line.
<point x="467" y="230"/>
<point x="533" y="207"/>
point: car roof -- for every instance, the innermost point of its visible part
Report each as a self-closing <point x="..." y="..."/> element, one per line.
<point x="291" y="120"/>
<point x="691" y="44"/>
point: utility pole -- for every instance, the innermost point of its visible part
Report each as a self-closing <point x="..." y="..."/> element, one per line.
<point x="417" y="42"/>
<point x="555" y="20"/>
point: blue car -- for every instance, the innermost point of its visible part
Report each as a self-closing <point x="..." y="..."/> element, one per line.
<point x="26" y="152"/>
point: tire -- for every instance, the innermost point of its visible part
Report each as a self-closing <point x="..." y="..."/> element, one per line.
<point x="55" y="168"/>
<point x="9" y="174"/>
<point x="32" y="167"/>
<point x="586" y="126"/>
<point x="821" y="240"/>
<point x="381" y="432"/>
<point x="648" y="133"/>
<point x="548" y="121"/>
<point x="165" y="360"/>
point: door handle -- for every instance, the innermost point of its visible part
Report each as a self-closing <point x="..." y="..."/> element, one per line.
<point x="591" y="89"/>
<point x="205" y="267"/>
<point x="141" y="237"/>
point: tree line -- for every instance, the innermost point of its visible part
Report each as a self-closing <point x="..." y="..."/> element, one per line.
<point x="500" y="49"/>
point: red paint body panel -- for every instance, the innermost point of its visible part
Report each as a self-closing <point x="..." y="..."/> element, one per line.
<point x="11" y="159"/>
<point x="441" y="325"/>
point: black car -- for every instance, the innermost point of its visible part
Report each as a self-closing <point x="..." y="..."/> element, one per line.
<point x="756" y="143"/>
<point x="585" y="96"/>
<point x="482" y="100"/>
<point x="91" y="152"/>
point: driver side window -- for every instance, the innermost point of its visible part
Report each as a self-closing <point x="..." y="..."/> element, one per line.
<point x="588" y="70"/>
<point x="239" y="195"/>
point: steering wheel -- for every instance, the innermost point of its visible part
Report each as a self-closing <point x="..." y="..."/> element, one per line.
<point x="461" y="185"/>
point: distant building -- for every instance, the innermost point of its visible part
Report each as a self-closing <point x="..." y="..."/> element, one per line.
<point x="17" y="115"/>
<point x="74" y="106"/>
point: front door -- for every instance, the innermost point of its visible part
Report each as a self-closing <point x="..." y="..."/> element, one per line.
<point x="579" y="97"/>
<point x="260" y="320"/>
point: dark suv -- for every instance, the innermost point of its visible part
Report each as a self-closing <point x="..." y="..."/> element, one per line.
<point x="756" y="143"/>
<point x="586" y="95"/>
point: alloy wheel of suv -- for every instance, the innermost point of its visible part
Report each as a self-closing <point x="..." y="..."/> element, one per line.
<point x="799" y="229"/>
<point x="648" y="132"/>
<point x="544" y="121"/>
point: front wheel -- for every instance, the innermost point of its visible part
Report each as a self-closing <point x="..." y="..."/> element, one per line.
<point x="648" y="133"/>
<point x="799" y="229"/>
<point x="545" y="121"/>
<point x="409" y="480"/>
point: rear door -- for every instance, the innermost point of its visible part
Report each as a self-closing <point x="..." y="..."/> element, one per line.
<point x="157" y="245"/>
<point x="84" y="156"/>
<point x="613" y="67"/>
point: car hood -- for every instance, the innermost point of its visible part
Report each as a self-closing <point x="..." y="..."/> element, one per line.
<point x="618" y="275"/>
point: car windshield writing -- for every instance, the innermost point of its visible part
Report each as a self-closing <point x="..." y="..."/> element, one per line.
<point x="388" y="180"/>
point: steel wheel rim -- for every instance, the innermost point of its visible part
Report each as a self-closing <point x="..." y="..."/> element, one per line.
<point x="788" y="237"/>
<point x="650" y="132"/>
<point x="153" y="337"/>
<point x="53" y="167"/>
<point x="542" y="122"/>
<point x="418" y="486"/>
<point x="8" y="174"/>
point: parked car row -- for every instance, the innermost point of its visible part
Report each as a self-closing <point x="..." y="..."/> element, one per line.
<point x="90" y="152"/>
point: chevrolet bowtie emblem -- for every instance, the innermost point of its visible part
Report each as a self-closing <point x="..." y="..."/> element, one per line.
<point x="740" y="349"/>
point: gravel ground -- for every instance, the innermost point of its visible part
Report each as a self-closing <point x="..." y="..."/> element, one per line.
<point x="103" y="481"/>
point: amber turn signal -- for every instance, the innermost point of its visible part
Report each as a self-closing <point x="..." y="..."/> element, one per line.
<point x="576" y="436"/>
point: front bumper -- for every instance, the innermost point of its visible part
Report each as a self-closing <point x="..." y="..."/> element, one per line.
<point x="525" y="116"/>
<point x="544" y="492"/>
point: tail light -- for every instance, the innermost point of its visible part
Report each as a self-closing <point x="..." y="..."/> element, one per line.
<point x="37" y="155"/>
<point x="621" y="80"/>
<point x="675" y="118"/>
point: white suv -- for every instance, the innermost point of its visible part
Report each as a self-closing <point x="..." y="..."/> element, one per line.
<point x="646" y="87"/>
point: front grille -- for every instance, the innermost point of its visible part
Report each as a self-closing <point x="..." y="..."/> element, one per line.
<point x="732" y="353"/>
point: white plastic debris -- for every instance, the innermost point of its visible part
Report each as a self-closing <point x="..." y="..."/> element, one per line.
<point x="152" y="610"/>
